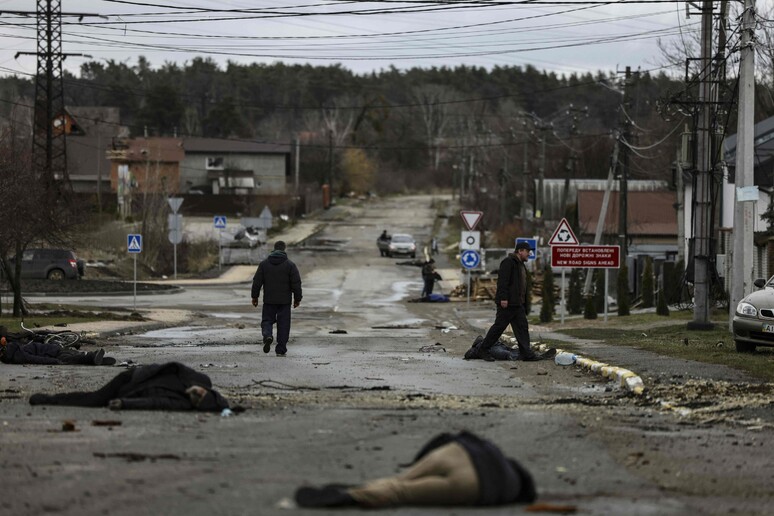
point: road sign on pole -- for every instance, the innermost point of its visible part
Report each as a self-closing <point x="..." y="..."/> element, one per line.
<point x="563" y="235"/>
<point x="134" y="243"/>
<point x="470" y="259"/>
<point x="470" y="240"/>
<point x="219" y="221"/>
<point x="586" y="256"/>
<point x="471" y="218"/>
<point x="174" y="203"/>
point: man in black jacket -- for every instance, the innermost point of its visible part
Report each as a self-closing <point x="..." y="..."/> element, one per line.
<point x="512" y="300"/>
<point x="280" y="280"/>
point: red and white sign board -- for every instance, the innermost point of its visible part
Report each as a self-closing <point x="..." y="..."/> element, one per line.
<point x="563" y="235"/>
<point x="586" y="256"/>
<point x="471" y="218"/>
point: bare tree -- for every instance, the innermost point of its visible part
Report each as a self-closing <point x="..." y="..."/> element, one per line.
<point x="434" y="108"/>
<point x="36" y="209"/>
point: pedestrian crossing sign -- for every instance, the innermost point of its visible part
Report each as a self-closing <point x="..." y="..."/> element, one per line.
<point x="219" y="221"/>
<point x="134" y="243"/>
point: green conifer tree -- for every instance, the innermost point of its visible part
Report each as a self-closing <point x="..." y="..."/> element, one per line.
<point x="599" y="290"/>
<point x="661" y="306"/>
<point x="647" y="283"/>
<point x="575" y="295"/>
<point x="547" y="310"/>
<point x="623" y="290"/>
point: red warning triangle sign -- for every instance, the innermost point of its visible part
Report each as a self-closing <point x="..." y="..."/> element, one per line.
<point x="563" y="235"/>
<point x="471" y="218"/>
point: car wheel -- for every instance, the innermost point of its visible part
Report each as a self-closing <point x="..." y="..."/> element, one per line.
<point x="56" y="274"/>
<point x="744" y="347"/>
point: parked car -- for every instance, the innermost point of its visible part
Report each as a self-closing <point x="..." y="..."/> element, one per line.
<point x="53" y="264"/>
<point x="401" y="243"/>
<point x="754" y="318"/>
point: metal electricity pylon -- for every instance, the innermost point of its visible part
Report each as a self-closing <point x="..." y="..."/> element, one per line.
<point x="49" y="125"/>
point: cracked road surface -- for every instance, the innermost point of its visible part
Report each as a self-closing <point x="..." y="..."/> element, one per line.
<point x="346" y="407"/>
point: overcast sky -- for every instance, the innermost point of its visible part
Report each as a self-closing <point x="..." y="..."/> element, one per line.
<point x="567" y="36"/>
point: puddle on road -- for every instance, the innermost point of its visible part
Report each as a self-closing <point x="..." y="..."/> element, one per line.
<point x="403" y="324"/>
<point x="400" y="291"/>
<point x="188" y="332"/>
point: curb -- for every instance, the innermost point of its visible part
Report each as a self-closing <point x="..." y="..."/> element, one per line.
<point x="626" y="379"/>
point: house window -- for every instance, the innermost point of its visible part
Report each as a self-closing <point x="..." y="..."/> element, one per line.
<point x="214" y="163"/>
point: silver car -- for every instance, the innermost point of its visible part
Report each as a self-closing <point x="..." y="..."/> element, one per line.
<point x="402" y="243"/>
<point x="754" y="318"/>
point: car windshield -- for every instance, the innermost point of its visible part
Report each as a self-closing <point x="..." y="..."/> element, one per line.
<point x="402" y="239"/>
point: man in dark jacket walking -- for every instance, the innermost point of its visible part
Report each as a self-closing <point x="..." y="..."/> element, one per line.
<point x="512" y="300"/>
<point x="281" y="282"/>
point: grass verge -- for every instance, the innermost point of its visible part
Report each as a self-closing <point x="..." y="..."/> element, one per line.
<point x="670" y="337"/>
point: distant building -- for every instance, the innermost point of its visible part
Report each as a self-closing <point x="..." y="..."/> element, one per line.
<point x="221" y="166"/>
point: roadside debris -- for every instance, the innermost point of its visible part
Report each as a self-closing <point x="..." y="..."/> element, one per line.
<point x="432" y="348"/>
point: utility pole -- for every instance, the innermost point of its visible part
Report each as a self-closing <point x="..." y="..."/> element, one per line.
<point x="742" y="263"/>
<point x="702" y="223"/>
<point x="524" y="174"/>
<point x="49" y="148"/>
<point x="623" y="191"/>
<point x="541" y="174"/>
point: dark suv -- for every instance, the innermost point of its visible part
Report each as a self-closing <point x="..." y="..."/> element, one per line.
<point x="54" y="264"/>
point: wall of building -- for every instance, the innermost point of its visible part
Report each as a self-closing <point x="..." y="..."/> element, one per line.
<point x="269" y="170"/>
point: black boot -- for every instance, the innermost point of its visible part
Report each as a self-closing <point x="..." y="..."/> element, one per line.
<point x="326" y="496"/>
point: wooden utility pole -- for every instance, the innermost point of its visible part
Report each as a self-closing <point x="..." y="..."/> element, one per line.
<point x="623" y="191"/>
<point x="742" y="262"/>
<point x="702" y="223"/>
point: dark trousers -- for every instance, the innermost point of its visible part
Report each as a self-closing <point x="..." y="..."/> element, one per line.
<point x="279" y="314"/>
<point x="516" y="316"/>
<point x="429" y="283"/>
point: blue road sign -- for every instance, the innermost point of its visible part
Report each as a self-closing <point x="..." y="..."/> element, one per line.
<point x="134" y="243"/>
<point x="533" y="245"/>
<point x="219" y="221"/>
<point x="470" y="259"/>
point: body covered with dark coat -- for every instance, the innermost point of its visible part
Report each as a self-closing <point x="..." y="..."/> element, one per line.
<point x="151" y="387"/>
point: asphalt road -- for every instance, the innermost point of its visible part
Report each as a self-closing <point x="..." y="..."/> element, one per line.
<point x="346" y="407"/>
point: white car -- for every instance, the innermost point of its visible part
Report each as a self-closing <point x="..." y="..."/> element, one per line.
<point x="402" y="243"/>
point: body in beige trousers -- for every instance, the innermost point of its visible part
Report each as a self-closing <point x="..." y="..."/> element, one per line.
<point x="445" y="476"/>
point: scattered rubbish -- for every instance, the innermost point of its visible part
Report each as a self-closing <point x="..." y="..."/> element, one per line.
<point x="226" y="413"/>
<point x="644" y="334"/>
<point x="541" y="372"/>
<point x="719" y="344"/>
<point x="320" y="363"/>
<point x="565" y="359"/>
<point x="68" y="426"/>
<point x="432" y="348"/>
<point x="106" y="422"/>
<point x="338" y="332"/>
<point x="286" y="503"/>
<point x="449" y="328"/>
<point x="61" y="325"/>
